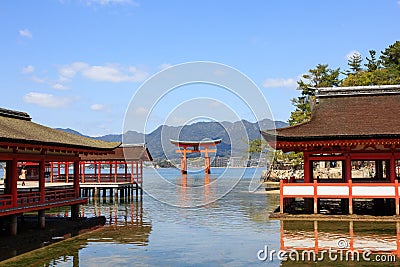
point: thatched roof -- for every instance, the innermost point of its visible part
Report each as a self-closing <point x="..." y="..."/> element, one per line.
<point x="17" y="128"/>
<point x="348" y="113"/>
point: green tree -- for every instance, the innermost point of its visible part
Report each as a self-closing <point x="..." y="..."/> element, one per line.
<point x="321" y="76"/>
<point x="390" y="57"/>
<point x="384" y="71"/>
<point x="354" y="63"/>
<point x="373" y="64"/>
<point x="377" y="77"/>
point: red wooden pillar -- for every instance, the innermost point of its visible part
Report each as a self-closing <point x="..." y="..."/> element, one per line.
<point x="137" y="172"/>
<point x="126" y="169"/>
<point x="206" y="161"/>
<point x="76" y="177"/>
<point x="99" y="171"/>
<point x="115" y="171"/>
<point x="42" y="181"/>
<point x="13" y="181"/>
<point x="111" y="170"/>
<point x="184" y="162"/>
<point x="141" y="172"/>
<point x="83" y="171"/>
<point x="51" y="171"/>
<point x="350" y="196"/>
<point x="58" y="169"/>
<point x="307" y="168"/>
<point x="132" y="173"/>
<point x="66" y="171"/>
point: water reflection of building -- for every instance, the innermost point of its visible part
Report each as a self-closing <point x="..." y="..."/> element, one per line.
<point x="196" y="190"/>
<point x="360" y="236"/>
<point x="125" y="225"/>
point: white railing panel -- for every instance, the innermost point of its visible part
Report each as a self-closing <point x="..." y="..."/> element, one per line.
<point x="332" y="190"/>
<point x="373" y="191"/>
<point x="298" y="190"/>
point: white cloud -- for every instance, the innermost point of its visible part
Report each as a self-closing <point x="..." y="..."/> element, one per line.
<point x="25" y="33"/>
<point x="52" y="84"/>
<point x="69" y="71"/>
<point x="110" y="72"/>
<point x="280" y="82"/>
<point x="111" y="2"/>
<point x="28" y="69"/>
<point x="48" y="100"/>
<point x="98" y="107"/>
<point x="59" y="86"/>
<point x="352" y="53"/>
<point x="40" y="80"/>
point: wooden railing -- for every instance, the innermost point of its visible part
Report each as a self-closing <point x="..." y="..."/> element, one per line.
<point x="347" y="190"/>
<point x="107" y="178"/>
<point x="28" y="198"/>
<point x="62" y="178"/>
<point x="5" y="201"/>
<point x="103" y="178"/>
<point x="60" y="194"/>
<point x="51" y="195"/>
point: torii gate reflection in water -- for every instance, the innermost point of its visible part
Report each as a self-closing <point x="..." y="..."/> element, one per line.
<point x="193" y="147"/>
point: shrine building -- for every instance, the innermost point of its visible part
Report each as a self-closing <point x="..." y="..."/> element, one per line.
<point x="354" y="134"/>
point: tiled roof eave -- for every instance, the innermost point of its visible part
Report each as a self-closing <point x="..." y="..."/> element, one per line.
<point x="335" y="137"/>
<point x="54" y="145"/>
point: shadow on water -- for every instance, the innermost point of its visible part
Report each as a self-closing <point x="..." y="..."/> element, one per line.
<point x="124" y="226"/>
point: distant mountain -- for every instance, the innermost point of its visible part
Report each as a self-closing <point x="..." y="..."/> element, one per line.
<point x="68" y="130"/>
<point x="234" y="135"/>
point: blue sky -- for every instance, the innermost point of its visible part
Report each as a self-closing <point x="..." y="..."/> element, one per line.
<point x="77" y="64"/>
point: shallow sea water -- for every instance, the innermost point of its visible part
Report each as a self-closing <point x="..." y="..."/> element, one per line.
<point x="178" y="223"/>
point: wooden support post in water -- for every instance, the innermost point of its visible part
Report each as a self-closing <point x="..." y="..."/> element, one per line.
<point x="122" y="193"/>
<point x="116" y="194"/>
<point x="41" y="219"/>
<point x="75" y="211"/>
<point x="13" y="225"/>
<point x="104" y="195"/>
<point x="96" y="193"/>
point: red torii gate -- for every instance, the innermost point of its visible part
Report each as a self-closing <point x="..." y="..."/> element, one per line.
<point x="195" y="146"/>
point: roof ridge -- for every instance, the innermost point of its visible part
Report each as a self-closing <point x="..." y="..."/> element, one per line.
<point x="14" y="114"/>
<point x="357" y="90"/>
